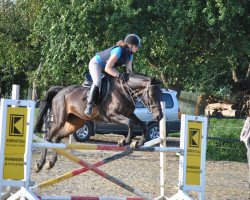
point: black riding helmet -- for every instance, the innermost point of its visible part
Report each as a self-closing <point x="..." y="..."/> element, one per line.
<point x="133" y="39"/>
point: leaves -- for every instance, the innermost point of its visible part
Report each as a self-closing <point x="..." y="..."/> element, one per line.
<point x="191" y="45"/>
<point x="18" y="57"/>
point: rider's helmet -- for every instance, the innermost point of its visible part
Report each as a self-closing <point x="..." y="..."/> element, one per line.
<point x="133" y="39"/>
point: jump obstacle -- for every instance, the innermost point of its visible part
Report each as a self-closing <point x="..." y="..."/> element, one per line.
<point x="17" y="132"/>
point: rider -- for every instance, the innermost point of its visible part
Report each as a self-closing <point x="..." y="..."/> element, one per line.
<point x="107" y="60"/>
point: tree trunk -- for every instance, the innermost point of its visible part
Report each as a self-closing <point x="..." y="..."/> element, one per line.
<point x="200" y="106"/>
<point x="34" y="84"/>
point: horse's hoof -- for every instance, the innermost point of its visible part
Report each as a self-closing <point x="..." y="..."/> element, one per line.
<point x="37" y="168"/>
<point x="140" y="143"/>
<point x="134" y="144"/>
<point x="48" y="165"/>
<point x="122" y="143"/>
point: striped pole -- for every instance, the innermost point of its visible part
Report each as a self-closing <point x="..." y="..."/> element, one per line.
<point x="98" y="171"/>
<point x="103" y="174"/>
<point x="78" y="171"/>
<point x="86" y="198"/>
<point x="79" y="146"/>
<point x="106" y="147"/>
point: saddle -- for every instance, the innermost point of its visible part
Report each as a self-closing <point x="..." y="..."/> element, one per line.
<point x="87" y="80"/>
<point x="103" y="90"/>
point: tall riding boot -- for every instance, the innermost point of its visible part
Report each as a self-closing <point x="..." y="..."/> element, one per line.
<point x="91" y="99"/>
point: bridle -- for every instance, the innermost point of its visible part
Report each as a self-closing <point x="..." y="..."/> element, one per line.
<point x="131" y="94"/>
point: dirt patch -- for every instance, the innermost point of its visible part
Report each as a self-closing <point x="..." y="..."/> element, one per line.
<point x="224" y="180"/>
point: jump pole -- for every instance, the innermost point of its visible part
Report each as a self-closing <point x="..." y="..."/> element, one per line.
<point x="82" y="170"/>
<point x="43" y="145"/>
<point x="100" y="147"/>
<point x="101" y="173"/>
<point x="45" y="197"/>
<point x="78" y="171"/>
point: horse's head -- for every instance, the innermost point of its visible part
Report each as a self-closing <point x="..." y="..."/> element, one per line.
<point x="147" y="89"/>
<point x="151" y="97"/>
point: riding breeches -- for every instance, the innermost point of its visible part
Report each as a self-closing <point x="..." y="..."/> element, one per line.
<point x="95" y="71"/>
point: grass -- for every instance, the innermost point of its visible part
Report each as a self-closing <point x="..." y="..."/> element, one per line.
<point x="224" y="140"/>
<point x="174" y="134"/>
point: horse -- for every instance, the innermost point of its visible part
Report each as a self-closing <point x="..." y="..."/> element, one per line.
<point x="116" y="105"/>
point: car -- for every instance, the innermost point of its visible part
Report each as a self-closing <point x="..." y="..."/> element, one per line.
<point x="173" y="116"/>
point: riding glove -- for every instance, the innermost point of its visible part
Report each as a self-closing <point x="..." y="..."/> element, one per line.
<point x="124" y="77"/>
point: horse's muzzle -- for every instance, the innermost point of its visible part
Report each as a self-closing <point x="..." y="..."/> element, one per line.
<point x="158" y="115"/>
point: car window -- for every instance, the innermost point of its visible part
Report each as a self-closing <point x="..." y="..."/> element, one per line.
<point x="165" y="97"/>
<point x="168" y="99"/>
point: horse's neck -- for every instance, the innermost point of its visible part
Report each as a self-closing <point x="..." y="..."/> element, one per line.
<point x="138" y="86"/>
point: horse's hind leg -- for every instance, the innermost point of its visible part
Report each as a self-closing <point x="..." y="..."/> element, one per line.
<point x="69" y="127"/>
<point x="39" y="165"/>
<point x="48" y="138"/>
<point x="52" y="162"/>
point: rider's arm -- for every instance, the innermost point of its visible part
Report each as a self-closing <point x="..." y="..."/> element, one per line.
<point x="129" y="67"/>
<point x="109" y="66"/>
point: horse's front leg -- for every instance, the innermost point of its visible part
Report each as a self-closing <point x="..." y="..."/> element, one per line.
<point x="128" y="139"/>
<point x="144" y="130"/>
<point x="124" y="120"/>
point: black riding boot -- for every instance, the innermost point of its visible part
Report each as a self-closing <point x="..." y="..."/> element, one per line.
<point x="91" y="99"/>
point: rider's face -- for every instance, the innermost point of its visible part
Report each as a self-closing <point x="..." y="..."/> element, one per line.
<point x="134" y="48"/>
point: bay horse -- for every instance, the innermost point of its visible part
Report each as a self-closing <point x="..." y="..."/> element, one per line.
<point x="117" y="105"/>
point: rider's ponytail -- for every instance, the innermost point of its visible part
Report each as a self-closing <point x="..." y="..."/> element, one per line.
<point x="121" y="43"/>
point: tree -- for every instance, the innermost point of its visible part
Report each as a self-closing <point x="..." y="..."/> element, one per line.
<point x="18" y="57"/>
<point x="194" y="45"/>
<point x="71" y="32"/>
<point x="191" y="45"/>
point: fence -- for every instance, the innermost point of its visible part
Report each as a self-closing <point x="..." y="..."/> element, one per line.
<point x="224" y="139"/>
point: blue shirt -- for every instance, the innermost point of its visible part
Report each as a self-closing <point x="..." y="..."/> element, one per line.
<point x="117" y="51"/>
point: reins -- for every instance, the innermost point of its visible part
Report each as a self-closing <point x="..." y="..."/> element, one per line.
<point x="130" y="94"/>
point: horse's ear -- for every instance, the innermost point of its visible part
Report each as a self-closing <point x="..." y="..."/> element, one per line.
<point x="155" y="81"/>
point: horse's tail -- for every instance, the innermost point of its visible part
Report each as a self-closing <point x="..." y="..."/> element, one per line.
<point x="45" y="105"/>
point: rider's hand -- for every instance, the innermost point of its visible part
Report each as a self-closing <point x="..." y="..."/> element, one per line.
<point x="124" y="77"/>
